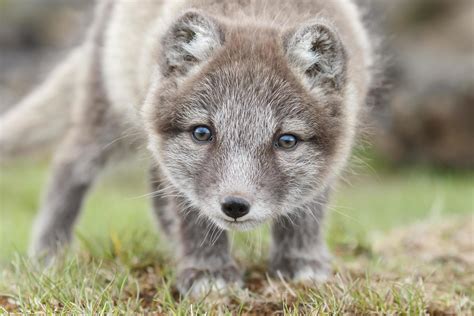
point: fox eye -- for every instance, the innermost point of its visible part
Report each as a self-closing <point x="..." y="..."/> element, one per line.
<point x="202" y="134"/>
<point x="286" y="141"/>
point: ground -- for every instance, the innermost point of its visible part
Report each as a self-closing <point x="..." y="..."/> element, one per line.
<point x="402" y="243"/>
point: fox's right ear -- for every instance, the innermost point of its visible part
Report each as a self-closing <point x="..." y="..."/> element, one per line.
<point x="189" y="41"/>
<point x="315" y="51"/>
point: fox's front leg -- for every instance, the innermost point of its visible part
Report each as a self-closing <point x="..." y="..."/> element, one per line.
<point x="298" y="251"/>
<point x="205" y="262"/>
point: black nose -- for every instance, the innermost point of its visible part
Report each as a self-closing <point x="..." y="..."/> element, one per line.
<point x="235" y="207"/>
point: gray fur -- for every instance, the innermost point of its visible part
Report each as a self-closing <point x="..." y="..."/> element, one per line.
<point x="203" y="254"/>
<point x="251" y="71"/>
<point x="83" y="153"/>
<point x="298" y="251"/>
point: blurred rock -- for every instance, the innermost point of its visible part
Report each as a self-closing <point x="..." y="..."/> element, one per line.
<point x="34" y="35"/>
<point x="431" y="115"/>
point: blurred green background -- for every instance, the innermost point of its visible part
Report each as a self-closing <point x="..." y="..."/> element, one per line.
<point x="372" y="199"/>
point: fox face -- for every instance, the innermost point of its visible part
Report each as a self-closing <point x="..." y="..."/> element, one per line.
<point x="246" y="122"/>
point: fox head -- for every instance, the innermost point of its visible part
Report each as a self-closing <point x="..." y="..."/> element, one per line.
<point x="247" y="122"/>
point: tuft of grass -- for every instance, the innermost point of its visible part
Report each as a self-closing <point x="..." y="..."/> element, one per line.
<point x="402" y="243"/>
<point x="390" y="281"/>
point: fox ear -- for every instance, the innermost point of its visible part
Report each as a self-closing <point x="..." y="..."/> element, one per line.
<point x="190" y="40"/>
<point x="316" y="52"/>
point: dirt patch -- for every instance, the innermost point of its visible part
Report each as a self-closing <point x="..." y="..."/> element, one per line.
<point x="449" y="240"/>
<point x="8" y="304"/>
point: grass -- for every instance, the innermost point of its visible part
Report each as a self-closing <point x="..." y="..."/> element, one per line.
<point x="402" y="242"/>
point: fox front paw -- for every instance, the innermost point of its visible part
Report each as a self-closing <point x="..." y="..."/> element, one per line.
<point x="301" y="270"/>
<point x="46" y="254"/>
<point x="198" y="282"/>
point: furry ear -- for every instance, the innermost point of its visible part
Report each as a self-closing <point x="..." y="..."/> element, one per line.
<point x="317" y="53"/>
<point x="189" y="41"/>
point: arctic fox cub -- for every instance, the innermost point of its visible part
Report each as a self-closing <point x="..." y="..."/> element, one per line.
<point x="248" y="108"/>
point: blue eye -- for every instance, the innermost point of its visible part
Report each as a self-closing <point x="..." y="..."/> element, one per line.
<point x="286" y="141"/>
<point x="202" y="134"/>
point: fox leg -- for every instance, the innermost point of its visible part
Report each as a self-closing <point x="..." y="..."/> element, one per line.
<point x="298" y="250"/>
<point x="96" y="134"/>
<point x="95" y="127"/>
<point x="163" y="206"/>
<point x="75" y="167"/>
<point x="204" y="260"/>
<point x="84" y="152"/>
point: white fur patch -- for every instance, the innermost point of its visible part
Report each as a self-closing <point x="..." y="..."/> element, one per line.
<point x="306" y="57"/>
<point x="203" y="44"/>
<point x="210" y="286"/>
<point x="308" y="274"/>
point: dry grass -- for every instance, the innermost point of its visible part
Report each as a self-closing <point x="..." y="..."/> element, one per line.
<point x="426" y="268"/>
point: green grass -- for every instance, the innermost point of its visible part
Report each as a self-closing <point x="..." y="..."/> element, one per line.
<point x="121" y="264"/>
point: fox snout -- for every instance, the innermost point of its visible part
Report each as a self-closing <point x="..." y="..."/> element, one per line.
<point x="235" y="207"/>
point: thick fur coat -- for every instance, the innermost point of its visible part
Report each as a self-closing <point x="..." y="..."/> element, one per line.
<point x="255" y="76"/>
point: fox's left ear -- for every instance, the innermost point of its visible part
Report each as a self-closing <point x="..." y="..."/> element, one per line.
<point x="316" y="52"/>
<point x="190" y="40"/>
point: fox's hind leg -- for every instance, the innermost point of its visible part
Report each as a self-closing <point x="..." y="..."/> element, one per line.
<point x="86" y="147"/>
<point x="202" y="250"/>
<point x="76" y="165"/>
<point x="94" y="136"/>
